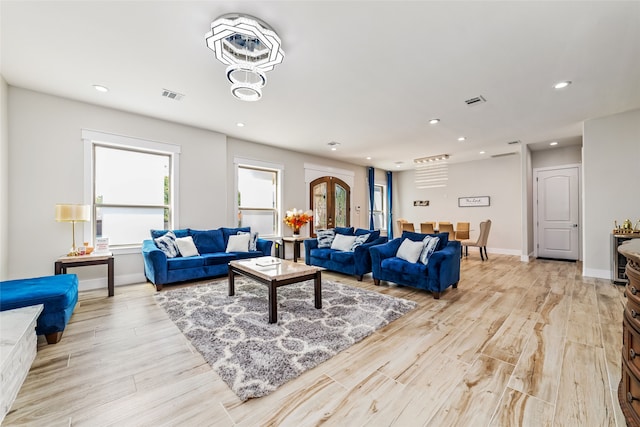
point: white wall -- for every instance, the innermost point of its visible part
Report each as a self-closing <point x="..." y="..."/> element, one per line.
<point x="498" y="178"/>
<point x="4" y="180"/>
<point x="611" y="176"/>
<point x="556" y="156"/>
<point x="294" y="192"/>
<point x="46" y="167"/>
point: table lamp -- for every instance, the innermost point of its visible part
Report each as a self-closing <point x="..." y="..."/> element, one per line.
<point x="72" y="214"/>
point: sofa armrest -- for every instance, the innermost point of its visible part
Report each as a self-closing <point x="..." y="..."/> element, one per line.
<point x="155" y="263"/>
<point x="308" y="245"/>
<point x="381" y="252"/>
<point x="445" y="265"/>
<point x="264" y="246"/>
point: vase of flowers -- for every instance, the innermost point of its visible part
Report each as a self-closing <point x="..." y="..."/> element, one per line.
<point x="296" y="219"/>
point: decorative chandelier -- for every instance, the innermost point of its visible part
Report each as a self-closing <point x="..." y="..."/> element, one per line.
<point x="250" y="48"/>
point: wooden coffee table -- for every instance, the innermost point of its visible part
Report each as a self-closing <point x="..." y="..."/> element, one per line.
<point x="274" y="272"/>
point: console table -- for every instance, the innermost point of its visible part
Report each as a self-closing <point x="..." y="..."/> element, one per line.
<point x="65" y="262"/>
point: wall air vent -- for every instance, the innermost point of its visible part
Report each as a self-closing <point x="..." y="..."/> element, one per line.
<point x="517" y="141"/>
<point x="503" y="154"/>
<point x="172" y="95"/>
<point x="475" y="101"/>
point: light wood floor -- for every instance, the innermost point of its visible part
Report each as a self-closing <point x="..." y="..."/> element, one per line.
<point x="517" y="343"/>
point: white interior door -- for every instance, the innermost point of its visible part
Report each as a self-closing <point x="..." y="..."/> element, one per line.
<point x="558" y="216"/>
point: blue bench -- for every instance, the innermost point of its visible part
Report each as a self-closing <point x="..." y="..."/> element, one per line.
<point x="58" y="294"/>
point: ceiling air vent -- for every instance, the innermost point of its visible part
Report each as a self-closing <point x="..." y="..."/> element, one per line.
<point x="172" y="95"/>
<point x="503" y="155"/>
<point x="475" y="101"/>
<point x="517" y="141"/>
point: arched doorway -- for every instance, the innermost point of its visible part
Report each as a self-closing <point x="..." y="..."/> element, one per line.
<point x="330" y="203"/>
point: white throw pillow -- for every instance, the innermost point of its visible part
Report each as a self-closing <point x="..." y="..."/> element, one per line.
<point x="342" y="242"/>
<point x="186" y="246"/>
<point x="239" y="243"/>
<point x="410" y="250"/>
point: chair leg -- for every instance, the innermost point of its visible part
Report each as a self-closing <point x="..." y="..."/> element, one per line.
<point x="481" y="256"/>
<point x="485" y="253"/>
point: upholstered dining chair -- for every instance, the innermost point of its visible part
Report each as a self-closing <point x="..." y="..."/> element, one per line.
<point x="481" y="243"/>
<point x="427" y="227"/>
<point x="447" y="228"/>
<point x="399" y="223"/>
<point x="462" y="231"/>
<point x="408" y="226"/>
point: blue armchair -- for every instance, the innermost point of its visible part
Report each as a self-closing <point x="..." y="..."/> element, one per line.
<point x="442" y="270"/>
<point x="356" y="262"/>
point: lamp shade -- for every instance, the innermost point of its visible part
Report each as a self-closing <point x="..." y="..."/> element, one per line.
<point x="72" y="213"/>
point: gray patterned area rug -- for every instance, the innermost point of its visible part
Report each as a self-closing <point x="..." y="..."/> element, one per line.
<point x="254" y="357"/>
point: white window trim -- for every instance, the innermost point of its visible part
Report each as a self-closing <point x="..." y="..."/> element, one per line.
<point x="89" y="137"/>
<point x="240" y="161"/>
<point x="384" y="204"/>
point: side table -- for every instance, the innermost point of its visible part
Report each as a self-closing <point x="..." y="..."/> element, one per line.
<point x="296" y="246"/>
<point x="65" y="262"/>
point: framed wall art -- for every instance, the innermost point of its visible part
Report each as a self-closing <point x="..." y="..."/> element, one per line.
<point x="465" y="202"/>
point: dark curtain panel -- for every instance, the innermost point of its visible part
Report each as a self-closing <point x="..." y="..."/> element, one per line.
<point x="389" y="205"/>
<point x="372" y="173"/>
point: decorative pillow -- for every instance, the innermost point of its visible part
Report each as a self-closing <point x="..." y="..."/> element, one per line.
<point x="444" y="238"/>
<point x="373" y="234"/>
<point x="208" y="241"/>
<point x="167" y="244"/>
<point x="359" y="241"/>
<point x="183" y="232"/>
<point x="410" y="250"/>
<point x="430" y="244"/>
<point x="239" y="243"/>
<point x="186" y="246"/>
<point x="342" y="242"/>
<point x="226" y="232"/>
<point x="325" y="238"/>
<point x="253" y="240"/>
<point x="347" y="231"/>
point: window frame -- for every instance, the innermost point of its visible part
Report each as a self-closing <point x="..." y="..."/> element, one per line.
<point x="263" y="166"/>
<point x="91" y="139"/>
<point x="384" y="206"/>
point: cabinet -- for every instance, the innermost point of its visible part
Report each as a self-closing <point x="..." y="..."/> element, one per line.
<point x="619" y="261"/>
<point x="629" y="388"/>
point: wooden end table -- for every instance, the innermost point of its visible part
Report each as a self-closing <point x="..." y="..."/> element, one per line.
<point x="274" y="272"/>
<point x="65" y="262"/>
<point x="296" y="246"/>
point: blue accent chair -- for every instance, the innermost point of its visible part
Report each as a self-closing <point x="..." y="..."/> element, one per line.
<point x="442" y="270"/>
<point x="58" y="294"/>
<point x="356" y="263"/>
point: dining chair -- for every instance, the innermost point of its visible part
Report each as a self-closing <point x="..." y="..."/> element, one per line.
<point x="462" y="231"/>
<point x="408" y="226"/>
<point x="399" y="223"/>
<point x="427" y="227"/>
<point x="447" y="228"/>
<point x="442" y="222"/>
<point x="481" y="243"/>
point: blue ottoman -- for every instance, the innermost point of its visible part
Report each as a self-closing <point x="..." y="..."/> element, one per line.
<point x="59" y="294"/>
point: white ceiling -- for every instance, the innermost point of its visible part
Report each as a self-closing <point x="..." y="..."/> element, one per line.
<point x="367" y="74"/>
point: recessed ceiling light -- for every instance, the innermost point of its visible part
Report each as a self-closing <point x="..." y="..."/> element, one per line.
<point x="398" y="164"/>
<point x="462" y="138"/>
<point x="482" y="152"/>
<point x="562" y="85"/>
<point x="101" y="88"/>
<point x="368" y="157"/>
<point x="333" y="145"/>
<point x="240" y="124"/>
<point x="434" y="121"/>
<point x="553" y="143"/>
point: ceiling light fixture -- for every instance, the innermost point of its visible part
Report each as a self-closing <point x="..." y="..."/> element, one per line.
<point x="432" y="172"/>
<point x="240" y="124"/>
<point x="333" y="145"/>
<point x="462" y="138"/>
<point x="562" y="85"/>
<point x="398" y="164"/>
<point x="553" y="143"/>
<point x="101" y="88"/>
<point x="368" y="157"/>
<point x="250" y="48"/>
<point x="439" y="157"/>
<point x="434" y="121"/>
<point x="482" y="152"/>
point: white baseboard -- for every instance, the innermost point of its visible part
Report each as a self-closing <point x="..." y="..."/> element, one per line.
<point x="101" y="283"/>
<point x="594" y="272"/>
<point x="500" y="251"/>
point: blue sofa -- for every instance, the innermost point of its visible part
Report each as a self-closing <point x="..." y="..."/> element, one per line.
<point x="58" y="294"/>
<point x="442" y="270"/>
<point x="356" y="262"/>
<point x="213" y="259"/>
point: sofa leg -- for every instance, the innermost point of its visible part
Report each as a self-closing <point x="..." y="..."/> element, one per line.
<point x="158" y="288"/>
<point x="54" y="337"/>
<point x="436" y="295"/>
<point x="455" y="285"/>
<point x="376" y="282"/>
<point x="360" y="278"/>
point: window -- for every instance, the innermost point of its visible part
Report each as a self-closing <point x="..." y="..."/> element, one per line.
<point x="258" y="203"/>
<point x="379" y="208"/>
<point x="131" y="188"/>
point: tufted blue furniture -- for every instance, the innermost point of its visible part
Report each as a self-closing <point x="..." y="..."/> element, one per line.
<point x="357" y="263"/>
<point x="58" y="294"/>
<point x="213" y="260"/>
<point x="442" y="270"/>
